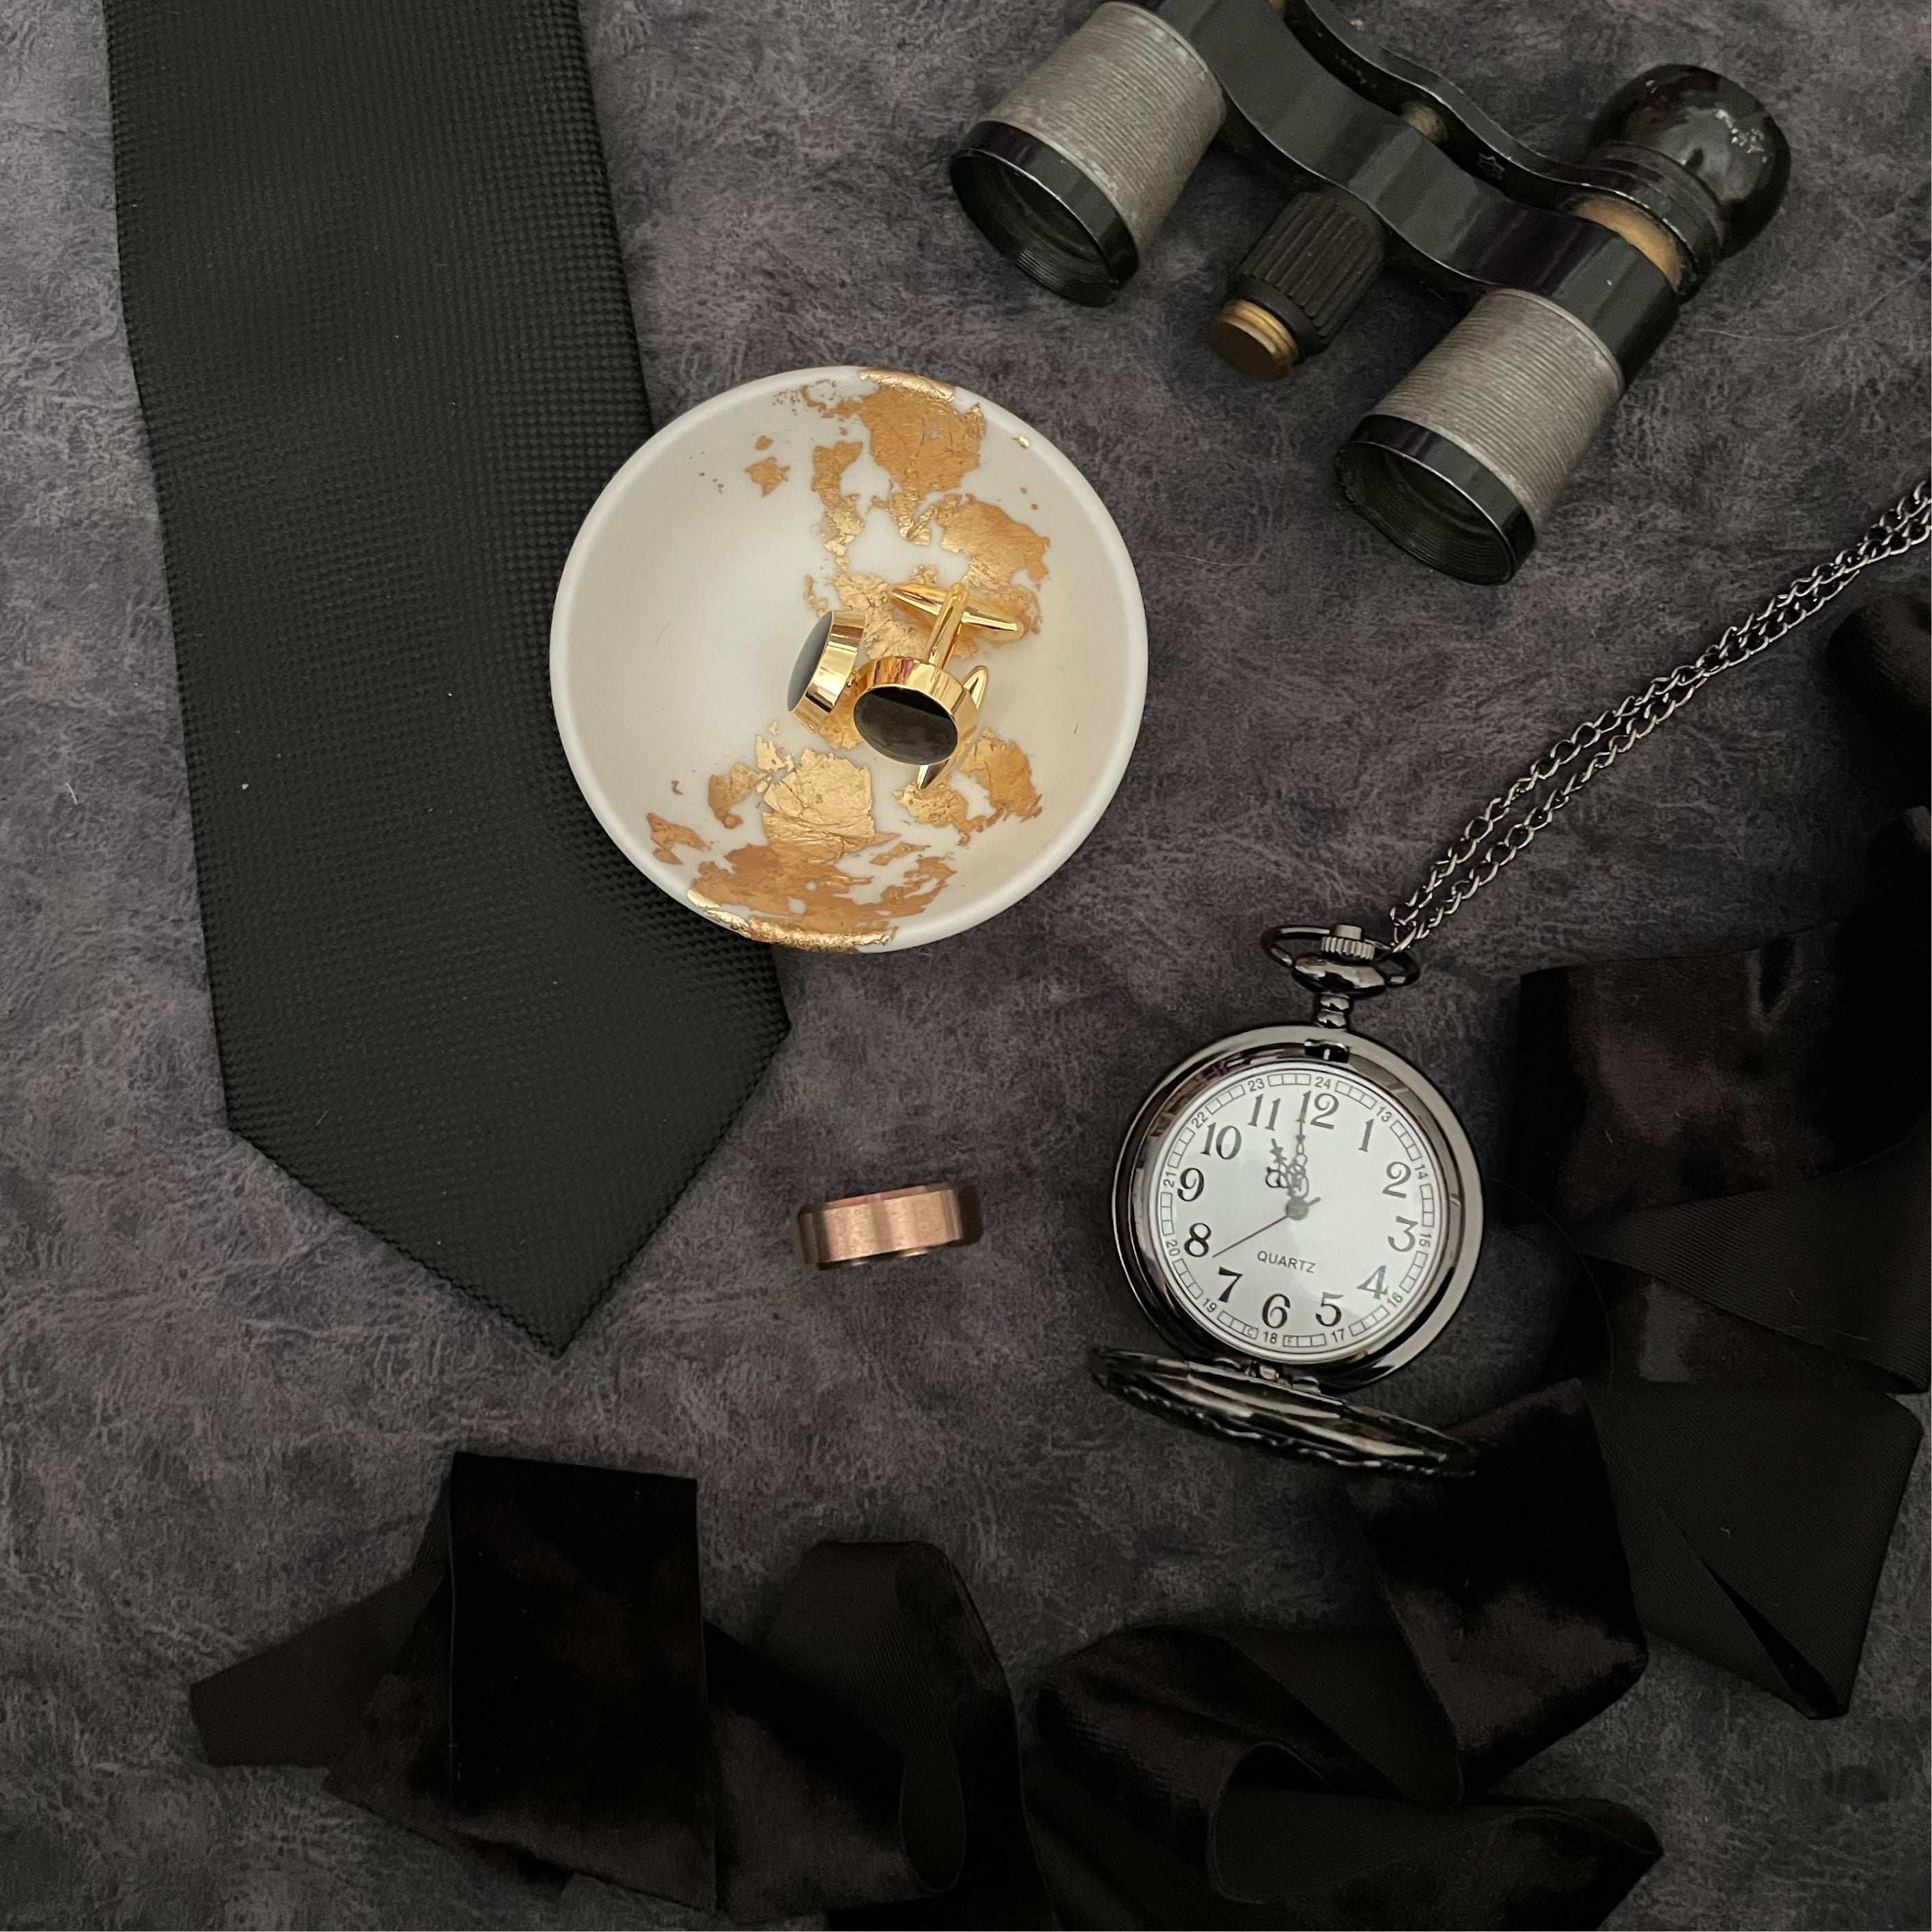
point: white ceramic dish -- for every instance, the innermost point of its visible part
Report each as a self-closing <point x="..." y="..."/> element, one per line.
<point x="698" y="574"/>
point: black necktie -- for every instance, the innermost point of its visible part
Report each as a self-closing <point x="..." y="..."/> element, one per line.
<point x="378" y="315"/>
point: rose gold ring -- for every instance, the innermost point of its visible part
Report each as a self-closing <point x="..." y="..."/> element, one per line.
<point x="874" y="1227"/>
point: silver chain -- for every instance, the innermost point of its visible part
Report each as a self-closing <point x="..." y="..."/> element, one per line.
<point x="1494" y="837"/>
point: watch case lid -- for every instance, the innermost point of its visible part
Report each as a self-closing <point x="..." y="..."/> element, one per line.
<point x="1289" y="1417"/>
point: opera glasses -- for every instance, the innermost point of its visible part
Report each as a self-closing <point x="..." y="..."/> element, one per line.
<point x="1572" y="272"/>
<point x="908" y="706"/>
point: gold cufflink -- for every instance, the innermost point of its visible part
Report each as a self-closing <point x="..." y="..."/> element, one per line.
<point x="818" y="678"/>
<point x="907" y="707"/>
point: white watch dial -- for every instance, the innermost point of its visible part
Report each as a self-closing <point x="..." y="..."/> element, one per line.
<point x="1296" y="1212"/>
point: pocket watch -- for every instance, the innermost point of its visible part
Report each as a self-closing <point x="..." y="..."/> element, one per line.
<point x="1298" y="1209"/>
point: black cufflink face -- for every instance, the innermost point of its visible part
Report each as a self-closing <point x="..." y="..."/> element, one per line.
<point x="901" y="720"/>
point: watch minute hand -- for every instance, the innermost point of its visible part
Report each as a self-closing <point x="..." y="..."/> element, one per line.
<point x="1244" y="1239"/>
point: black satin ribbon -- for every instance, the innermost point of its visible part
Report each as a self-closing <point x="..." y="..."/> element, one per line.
<point x="1737" y="1147"/>
<point x="540" y="1687"/>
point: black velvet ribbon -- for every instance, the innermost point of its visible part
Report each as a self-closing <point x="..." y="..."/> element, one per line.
<point x="540" y="1687"/>
<point x="1736" y="1146"/>
<point x="1258" y="1777"/>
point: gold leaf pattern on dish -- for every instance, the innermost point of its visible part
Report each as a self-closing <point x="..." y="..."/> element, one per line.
<point x="1004" y="775"/>
<point x="924" y="443"/>
<point x="888" y="627"/>
<point x="822" y="807"/>
<point x="786" y="932"/>
<point x="816" y="810"/>
<point x="666" y="838"/>
<point x="729" y="790"/>
<point x="999" y="769"/>
<point x="939" y="804"/>
<point x="997" y="548"/>
<point x="841" y="522"/>
<point x="793" y="895"/>
<point x="904" y="379"/>
<point x="916" y="891"/>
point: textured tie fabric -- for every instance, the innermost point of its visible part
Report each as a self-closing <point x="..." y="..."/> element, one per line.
<point x="378" y="315"/>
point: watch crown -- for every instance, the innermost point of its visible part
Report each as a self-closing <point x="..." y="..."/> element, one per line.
<point x="1346" y="942"/>
<point x="1337" y="964"/>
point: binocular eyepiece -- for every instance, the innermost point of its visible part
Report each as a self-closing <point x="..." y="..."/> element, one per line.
<point x="1572" y="272"/>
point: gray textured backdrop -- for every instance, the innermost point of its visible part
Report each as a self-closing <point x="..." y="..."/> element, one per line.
<point x="223" y="1409"/>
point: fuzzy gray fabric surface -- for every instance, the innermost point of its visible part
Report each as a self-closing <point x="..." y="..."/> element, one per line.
<point x="224" y="1410"/>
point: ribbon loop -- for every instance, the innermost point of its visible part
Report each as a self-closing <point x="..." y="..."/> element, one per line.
<point x="1738" y="1147"/>
<point x="1252" y="1777"/>
<point x="542" y="1687"/>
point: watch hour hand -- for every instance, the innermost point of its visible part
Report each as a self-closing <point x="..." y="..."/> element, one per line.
<point x="1290" y="1175"/>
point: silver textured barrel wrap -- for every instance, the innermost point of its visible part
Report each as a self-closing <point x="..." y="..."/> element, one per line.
<point x="1521" y="385"/>
<point x="1129" y="102"/>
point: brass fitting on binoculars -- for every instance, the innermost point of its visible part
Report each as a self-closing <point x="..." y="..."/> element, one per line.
<point x="1643" y="232"/>
<point x="1255" y="339"/>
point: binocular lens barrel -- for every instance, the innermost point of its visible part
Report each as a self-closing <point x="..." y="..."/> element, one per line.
<point x="1462" y="461"/>
<point x="1072" y="173"/>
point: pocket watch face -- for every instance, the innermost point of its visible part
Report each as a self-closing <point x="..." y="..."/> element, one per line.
<point x="1302" y="1197"/>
